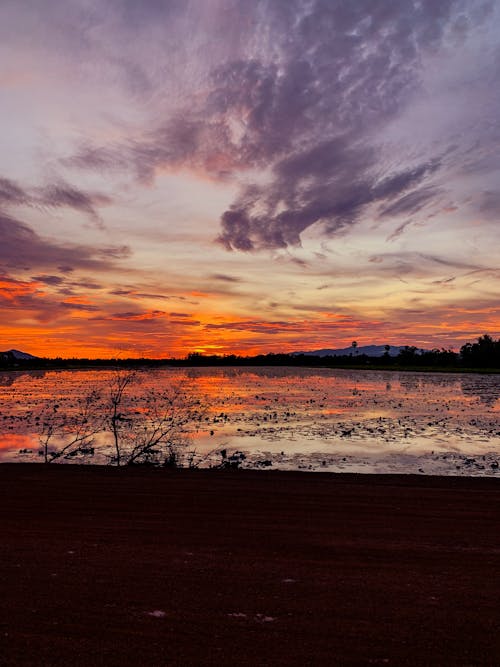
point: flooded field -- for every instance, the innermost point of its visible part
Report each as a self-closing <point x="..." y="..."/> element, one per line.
<point x="283" y="418"/>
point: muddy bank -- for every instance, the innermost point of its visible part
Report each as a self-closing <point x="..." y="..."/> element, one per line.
<point x="101" y="566"/>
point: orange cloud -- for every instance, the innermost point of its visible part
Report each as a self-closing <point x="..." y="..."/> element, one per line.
<point x="147" y="315"/>
<point x="11" y="290"/>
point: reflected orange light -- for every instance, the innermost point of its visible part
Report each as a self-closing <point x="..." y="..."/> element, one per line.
<point x="17" y="441"/>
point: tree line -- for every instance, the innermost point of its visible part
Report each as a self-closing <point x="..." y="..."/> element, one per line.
<point x="483" y="354"/>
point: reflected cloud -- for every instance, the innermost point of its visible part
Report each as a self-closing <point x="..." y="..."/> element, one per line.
<point x="481" y="387"/>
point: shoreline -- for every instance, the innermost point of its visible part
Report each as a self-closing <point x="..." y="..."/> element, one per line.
<point x="144" y="469"/>
<point x="435" y="463"/>
<point x="134" y="565"/>
<point x="168" y="365"/>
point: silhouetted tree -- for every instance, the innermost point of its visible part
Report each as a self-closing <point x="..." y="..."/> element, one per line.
<point x="408" y="355"/>
<point x="484" y="353"/>
<point x="152" y="425"/>
<point x="116" y="418"/>
<point x="64" y="433"/>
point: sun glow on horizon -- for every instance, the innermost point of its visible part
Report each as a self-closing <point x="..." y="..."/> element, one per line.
<point x="289" y="188"/>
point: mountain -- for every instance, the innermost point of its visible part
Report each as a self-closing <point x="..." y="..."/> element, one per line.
<point x="16" y="354"/>
<point x="369" y="350"/>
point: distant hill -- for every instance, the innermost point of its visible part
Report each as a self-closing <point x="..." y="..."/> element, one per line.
<point x="16" y="354"/>
<point x="369" y="350"/>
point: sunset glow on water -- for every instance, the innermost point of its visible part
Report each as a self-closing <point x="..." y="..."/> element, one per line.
<point x="253" y="178"/>
<point x="242" y="240"/>
<point x="295" y="418"/>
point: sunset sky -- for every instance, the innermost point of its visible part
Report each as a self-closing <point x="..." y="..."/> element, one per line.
<point x="248" y="175"/>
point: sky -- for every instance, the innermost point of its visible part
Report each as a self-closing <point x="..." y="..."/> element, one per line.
<point x="236" y="176"/>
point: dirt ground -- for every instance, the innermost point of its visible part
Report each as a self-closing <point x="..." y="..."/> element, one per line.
<point x="104" y="566"/>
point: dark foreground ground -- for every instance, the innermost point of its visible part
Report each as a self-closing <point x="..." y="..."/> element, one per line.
<point x="100" y="566"/>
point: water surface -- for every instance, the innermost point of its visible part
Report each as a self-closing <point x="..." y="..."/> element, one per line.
<point x="289" y="418"/>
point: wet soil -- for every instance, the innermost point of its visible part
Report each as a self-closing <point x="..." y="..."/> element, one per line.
<point x="104" y="566"/>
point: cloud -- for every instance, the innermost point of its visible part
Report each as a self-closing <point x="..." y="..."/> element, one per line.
<point x="331" y="183"/>
<point x="411" y="203"/>
<point x="330" y="322"/>
<point x="23" y="248"/>
<point x="96" y="158"/>
<point x="289" y="103"/>
<point x="121" y="292"/>
<point x="396" y="234"/>
<point x="223" y="277"/>
<point x="13" y="290"/>
<point x="345" y="72"/>
<point x="11" y="193"/>
<point x="64" y="195"/>
<point x="27" y="298"/>
<point x="86" y="283"/>
<point x="302" y="99"/>
<point x="114" y="252"/>
<point x="490" y="204"/>
<point x="145" y="315"/>
<point x="135" y="293"/>
<point x="49" y="280"/>
<point x="85" y="307"/>
<point x="56" y="195"/>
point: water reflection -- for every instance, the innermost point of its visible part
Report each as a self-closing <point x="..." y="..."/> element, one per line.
<point x="482" y="387"/>
<point x="8" y="378"/>
<point x="286" y="409"/>
<point x="263" y="372"/>
<point x="9" y="441"/>
<point x="421" y="381"/>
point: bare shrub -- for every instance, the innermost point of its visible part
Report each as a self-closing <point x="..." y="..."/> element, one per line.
<point x="153" y="426"/>
<point x="148" y="425"/>
<point x="66" y="433"/>
<point x="116" y="417"/>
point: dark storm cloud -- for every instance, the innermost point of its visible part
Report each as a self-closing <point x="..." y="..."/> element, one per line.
<point x="21" y="247"/>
